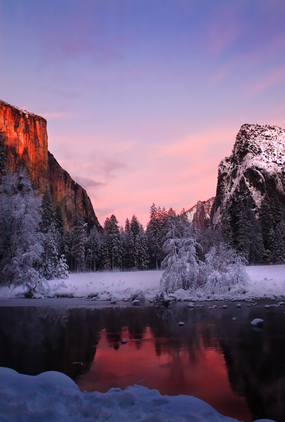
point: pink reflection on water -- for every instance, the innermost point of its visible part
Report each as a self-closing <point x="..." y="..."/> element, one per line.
<point x="202" y="373"/>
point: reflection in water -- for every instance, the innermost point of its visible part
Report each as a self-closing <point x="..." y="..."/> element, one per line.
<point x="238" y="370"/>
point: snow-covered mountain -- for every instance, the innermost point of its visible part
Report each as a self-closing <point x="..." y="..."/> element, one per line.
<point x="200" y="213"/>
<point x="249" y="207"/>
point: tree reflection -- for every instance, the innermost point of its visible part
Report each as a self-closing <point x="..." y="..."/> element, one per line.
<point x="37" y="339"/>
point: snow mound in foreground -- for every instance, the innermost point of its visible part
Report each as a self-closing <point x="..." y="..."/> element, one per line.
<point x="53" y="396"/>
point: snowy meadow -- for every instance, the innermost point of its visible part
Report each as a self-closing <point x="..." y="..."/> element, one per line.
<point x="264" y="281"/>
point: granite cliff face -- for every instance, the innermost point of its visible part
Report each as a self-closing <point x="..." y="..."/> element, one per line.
<point x="249" y="207"/>
<point x="199" y="215"/>
<point x="26" y="144"/>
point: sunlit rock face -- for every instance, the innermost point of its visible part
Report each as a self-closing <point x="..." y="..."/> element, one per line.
<point x="26" y="143"/>
<point x="249" y="207"/>
<point x="199" y="214"/>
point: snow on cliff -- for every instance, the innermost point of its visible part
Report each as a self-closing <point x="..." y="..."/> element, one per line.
<point x="257" y="147"/>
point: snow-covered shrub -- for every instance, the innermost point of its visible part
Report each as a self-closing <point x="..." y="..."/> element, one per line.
<point x="56" y="268"/>
<point x="181" y="263"/>
<point x="20" y="241"/>
<point x="224" y="269"/>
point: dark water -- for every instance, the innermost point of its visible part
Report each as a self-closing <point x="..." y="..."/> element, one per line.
<point x="239" y="370"/>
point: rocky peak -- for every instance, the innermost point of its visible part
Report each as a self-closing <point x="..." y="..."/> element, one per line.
<point x="251" y="184"/>
<point x="199" y="214"/>
<point x="262" y="144"/>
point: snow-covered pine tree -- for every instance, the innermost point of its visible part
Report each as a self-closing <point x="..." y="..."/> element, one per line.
<point x="47" y="212"/>
<point x="59" y="230"/>
<point x="181" y="262"/>
<point x="246" y="227"/>
<point x="124" y="248"/>
<point x="136" y="229"/>
<point x="142" y="256"/>
<point x="155" y="232"/>
<point x="128" y="246"/>
<point x="68" y="249"/>
<point x="105" y="258"/>
<point x="20" y="241"/>
<point x="62" y="268"/>
<point x="112" y="240"/>
<point x="78" y="244"/>
<point x="224" y="270"/>
<point x="135" y="226"/>
<point x="93" y="250"/>
<point x="50" y="238"/>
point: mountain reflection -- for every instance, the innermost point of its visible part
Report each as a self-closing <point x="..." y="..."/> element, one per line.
<point x="224" y="362"/>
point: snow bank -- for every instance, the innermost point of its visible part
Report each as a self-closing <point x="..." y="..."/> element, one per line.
<point x="52" y="396"/>
<point x="264" y="282"/>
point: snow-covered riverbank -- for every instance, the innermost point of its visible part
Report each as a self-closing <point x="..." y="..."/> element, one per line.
<point x="264" y="282"/>
<point x="52" y="396"/>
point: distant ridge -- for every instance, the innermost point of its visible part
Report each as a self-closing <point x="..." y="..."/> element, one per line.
<point x="199" y="215"/>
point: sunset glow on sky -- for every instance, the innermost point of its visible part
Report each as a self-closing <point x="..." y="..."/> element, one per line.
<point x="144" y="98"/>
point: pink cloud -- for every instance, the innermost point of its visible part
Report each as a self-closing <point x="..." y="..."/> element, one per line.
<point x="175" y="175"/>
<point x="273" y="77"/>
<point x="224" y="29"/>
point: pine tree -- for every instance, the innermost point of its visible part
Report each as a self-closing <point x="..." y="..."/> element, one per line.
<point x="47" y="212"/>
<point x="142" y="256"/>
<point x="127" y="245"/>
<point x="181" y="262"/>
<point x="135" y="226"/>
<point x="106" y="262"/>
<point x="68" y="249"/>
<point x="50" y="242"/>
<point x="246" y="227"/>
<point x="60" y="230"/>
<point x="266" y="223"/>
<point x="156" y="232"/>
<point x="93" y="250"/>
<point x="78" y="244"/>
<point x="112" y="240"/>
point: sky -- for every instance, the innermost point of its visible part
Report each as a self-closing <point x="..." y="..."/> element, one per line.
<point x="144" y="98"/>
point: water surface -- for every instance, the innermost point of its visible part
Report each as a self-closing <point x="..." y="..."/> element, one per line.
<point x="239" y="370"/>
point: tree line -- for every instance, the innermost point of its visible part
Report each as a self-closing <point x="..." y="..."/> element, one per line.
<point x="34" y="245"/>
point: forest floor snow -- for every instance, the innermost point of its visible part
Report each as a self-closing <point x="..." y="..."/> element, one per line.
<point x="267" y="281"/>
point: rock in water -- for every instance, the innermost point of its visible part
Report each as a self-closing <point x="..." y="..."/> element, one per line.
<point x="257" y="322"/>
<point x="250" y="199"/>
